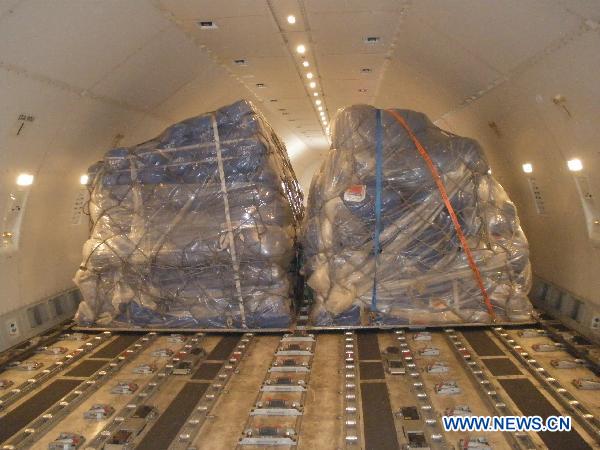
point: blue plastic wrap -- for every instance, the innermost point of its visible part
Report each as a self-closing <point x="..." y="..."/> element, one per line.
<point x="190" y="234"/>
<point x="422" y="275"/>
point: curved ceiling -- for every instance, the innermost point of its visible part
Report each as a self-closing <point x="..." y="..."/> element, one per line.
<point x="521" y="76"/>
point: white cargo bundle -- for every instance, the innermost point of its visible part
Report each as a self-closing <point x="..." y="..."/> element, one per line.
<point x="462" y="259"/>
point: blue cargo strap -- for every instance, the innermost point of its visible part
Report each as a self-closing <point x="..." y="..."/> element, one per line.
<point x="378" y="183"/>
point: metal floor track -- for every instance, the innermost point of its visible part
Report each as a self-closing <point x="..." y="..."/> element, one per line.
<point x="358" y="389"/>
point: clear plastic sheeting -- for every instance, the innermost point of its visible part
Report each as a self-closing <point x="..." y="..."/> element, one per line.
<point x="195" y="228"/>
<point x="421" y="274"/>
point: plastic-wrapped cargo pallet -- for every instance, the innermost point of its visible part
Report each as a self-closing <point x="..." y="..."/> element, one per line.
<point x="195" y="228"/>
<point x="376" y="194"/>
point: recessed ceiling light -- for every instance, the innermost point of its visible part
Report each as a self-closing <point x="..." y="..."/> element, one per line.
<point x="362" y="90"/>
<point x="83" y="179"/>
<point x="322" y="113"/>
<point x="291" y="19"/>
<point x="320" y="108"/>
<point x="312" y="84"/>
<point x="318" y="102"/>
<point x="301" y="49"/>
<point x="365" y="70"/>
<point x="273" y="100"/>
<point x="240" y="62"/>
<point x="305" y="63"/>
<point x="527" y="168"/>
<point x="309" y="75"/>
<point x="207" y="25"/>
<point x="281" y="109"/>
<point x="575" y="165"/>
<point x="316" y="94"/>
<point x="372" y="39"/>
<point x="25" y="179"/>
<point x="260" y="85"/>
<point x="285" y="113"/>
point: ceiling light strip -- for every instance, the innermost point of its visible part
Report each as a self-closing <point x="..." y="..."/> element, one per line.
<point x="309" y="77"/>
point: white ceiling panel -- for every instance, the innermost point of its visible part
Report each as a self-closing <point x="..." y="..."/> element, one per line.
<point x="349" y="88"/>
<point x="296" y="104"/>
<point x="334" y="103"/>
<point x="76" y="42"/>
<point x="348" y="66"/>
<point x="257" y="38"/>
<point x="7" y="7"/>
<point x="344" y="32"/>
<point x="240" y="37"/>
<point x="269" y="71"/>
<point x="445" y="65"/>
<point x="405" y="87"/>
<point x="279" y="90"/>
<point x="502" y="33"/>
<point x="586" y="8"/>
<point x="155" y="72"/>
<point x="491" y="107"/>
<point x="35" y="99"/>
<point x="577" y="134"/>
<point x="213" y="89"/>
<point x="284" y="8"/>
<point x="354" y="5"/>
<point x="213" y="9"/>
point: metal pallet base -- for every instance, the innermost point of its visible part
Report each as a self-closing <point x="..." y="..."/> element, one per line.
<point x="308" y="328"/>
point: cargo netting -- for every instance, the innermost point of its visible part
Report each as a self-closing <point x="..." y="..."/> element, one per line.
<point x="193" y="229"/>
<point x="381" y="244"/>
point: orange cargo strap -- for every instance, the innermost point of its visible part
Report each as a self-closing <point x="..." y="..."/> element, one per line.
<point x="444" y="194"/>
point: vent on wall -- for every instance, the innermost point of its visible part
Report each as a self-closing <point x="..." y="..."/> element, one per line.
<point x="590" y="209"/>
<point x="77" y="212"/>
<point x="207" y="25"/>
<point x="30" y="320"/>
<point x="37" y="315"/>
<point x="538" y="199"/>
<point x="574" y="311"/>
<point x="56" y="304"/>
<point x="371" y="39"/>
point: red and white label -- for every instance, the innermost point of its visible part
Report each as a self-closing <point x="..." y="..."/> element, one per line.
<point x="355" y="193"/>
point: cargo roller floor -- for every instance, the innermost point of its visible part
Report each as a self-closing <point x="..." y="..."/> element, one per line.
<point x="350" y="398"/>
